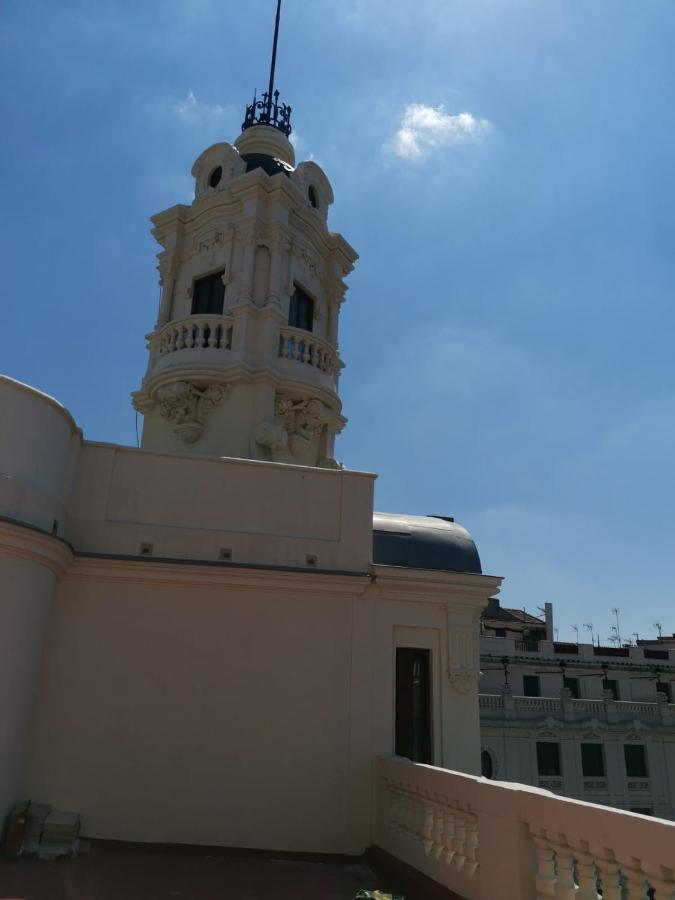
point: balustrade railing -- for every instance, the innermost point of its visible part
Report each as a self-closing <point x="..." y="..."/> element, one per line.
<point x="196" y="333"/>
<point x="304" y="347"/>
<point x="511" y="706"/>
<point x="485" y="839"/>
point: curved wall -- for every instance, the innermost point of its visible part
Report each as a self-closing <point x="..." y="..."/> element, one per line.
<point x="38" y="454"/>
<point x="29" y="563"/>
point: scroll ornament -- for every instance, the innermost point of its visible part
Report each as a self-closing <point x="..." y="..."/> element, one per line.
<point x="189" y="406"/>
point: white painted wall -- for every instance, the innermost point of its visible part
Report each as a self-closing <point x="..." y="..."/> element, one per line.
<point x="175" y="698"/>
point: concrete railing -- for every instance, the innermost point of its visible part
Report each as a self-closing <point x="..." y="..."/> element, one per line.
<point x="487" y="839"/>
<point x="195" y="333"/>
<point x="304" y="347"/>
<point x="509" y="706"/>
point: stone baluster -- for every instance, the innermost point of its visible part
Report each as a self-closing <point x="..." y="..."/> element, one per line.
<point x="459" y="842"/>
<point x="438" y="832"/>
<point x="213" y="335"/>
<point x="471" y="845"/>
<point x="610" y="879"/>
<point x="419" y="822"/>
<point x="588" y="877"/>
<point x="180" y="337"/>
<point x="635" y="884"/>
<point x="545" y="880"/>
<point x="565" y="888"/>
<point x="449" y="837"/>
<point x="427" y="828"/>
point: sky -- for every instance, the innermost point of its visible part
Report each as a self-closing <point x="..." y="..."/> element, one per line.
<point x="504" y="169"/>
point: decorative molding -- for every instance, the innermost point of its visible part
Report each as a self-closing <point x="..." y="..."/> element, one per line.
<point x="302" y="418"/>
<point x="189" y="407"/>
<point x="29" y="543"/>
<point x="463" y="660"/>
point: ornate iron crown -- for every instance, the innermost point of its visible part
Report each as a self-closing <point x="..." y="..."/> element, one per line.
<point x="268" y="111"/>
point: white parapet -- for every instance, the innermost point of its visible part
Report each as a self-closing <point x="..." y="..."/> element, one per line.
<point x="486" y="840"/>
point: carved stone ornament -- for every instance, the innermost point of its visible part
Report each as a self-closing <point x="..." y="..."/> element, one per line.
<point x="270" y="435"/>
<point x="188" y="407"/>
<point x="462" y="682"/>
<point x="302" y="419"/>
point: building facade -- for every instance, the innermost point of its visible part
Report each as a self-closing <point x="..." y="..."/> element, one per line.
<point x="208" y="639"/>
<point x="593" y="723"/>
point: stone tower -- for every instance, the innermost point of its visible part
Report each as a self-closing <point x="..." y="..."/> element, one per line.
<point x="243" y="359"/>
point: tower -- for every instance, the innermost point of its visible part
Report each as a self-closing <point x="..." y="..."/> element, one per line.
<point x="243" y="359"/>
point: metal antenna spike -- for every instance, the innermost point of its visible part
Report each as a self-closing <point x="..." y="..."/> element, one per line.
<point x="267" y="110"/>
<point x="273" y="67"/>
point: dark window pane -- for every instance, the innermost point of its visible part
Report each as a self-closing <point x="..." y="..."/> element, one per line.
<point x="572" y="684"/>
<point x="531" y="686"/>
<point x="609" y="684"/>
<point x="301" y="311"/>
<point x="592" y="761"/>
<point x="500" y="632"/>
<point x="636" y="760"/>
<point x="208" y="295"/>
<point x="216" y="175"/>
<point x="413" y="704"/>
<point x="548" y="758"/>
<point x="486" y="767"/>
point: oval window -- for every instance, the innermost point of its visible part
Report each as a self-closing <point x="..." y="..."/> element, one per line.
<point x="215" y="176"/>
<point x="313" y="197"/>
<point x="486" y="766"/>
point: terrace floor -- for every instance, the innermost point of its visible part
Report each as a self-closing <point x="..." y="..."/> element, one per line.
<point x="125" y="873"/>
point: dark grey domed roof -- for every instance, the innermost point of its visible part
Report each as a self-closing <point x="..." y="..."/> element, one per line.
<point x="269" y="164"/>
<point x="423" y="542"/>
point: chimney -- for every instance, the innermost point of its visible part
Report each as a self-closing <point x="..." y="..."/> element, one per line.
<point x="548" y="616"/>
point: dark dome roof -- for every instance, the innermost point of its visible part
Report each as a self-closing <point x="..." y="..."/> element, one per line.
<point x="269" y="164"/>
<point x="423" y="542"/>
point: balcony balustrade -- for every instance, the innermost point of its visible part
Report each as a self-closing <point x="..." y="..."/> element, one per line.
<point x="304" y="347"/>
<point x="508" y="706"/>
<point x="195" y="333"/>
<point x="486" y="839"/>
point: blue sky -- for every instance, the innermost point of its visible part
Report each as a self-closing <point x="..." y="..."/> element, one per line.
<point x="505" y="170"/>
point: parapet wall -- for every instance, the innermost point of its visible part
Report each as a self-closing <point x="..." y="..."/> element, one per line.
<point x="110" y="500"/>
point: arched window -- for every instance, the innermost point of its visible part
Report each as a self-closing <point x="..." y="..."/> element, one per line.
<point x="215" y="176"/>
<point x="313" y="196"/>
<point x="487" y="768"/>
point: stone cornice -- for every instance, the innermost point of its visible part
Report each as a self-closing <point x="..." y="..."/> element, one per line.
<point x="219" y="576"/>
<point x="25" y="542"/>
<point x="458" y="588"/>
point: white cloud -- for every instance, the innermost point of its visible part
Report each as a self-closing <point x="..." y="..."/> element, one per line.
<point x="426" y="128"/>
<point x="196" y="112"/>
